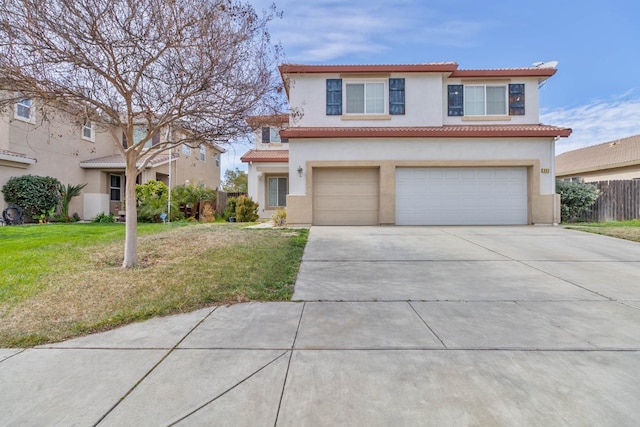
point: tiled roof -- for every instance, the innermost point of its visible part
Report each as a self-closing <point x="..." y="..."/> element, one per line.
<point x="434" y="67"/>
<point x="117" y="162"/>
<point x="613" y="154"/>
<point x="275" y="120"/>
<point x="369" y="68"/>
<point x="266" y="156"/>
<point x="16" y="157"/>
<point x="471" y="131"/>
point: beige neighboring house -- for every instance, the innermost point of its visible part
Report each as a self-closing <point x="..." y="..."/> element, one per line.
<point x="417" y="144"/>
<point x="614" y="160"/>
<point x="268" y="161"/>
<point x="76" y="153"/>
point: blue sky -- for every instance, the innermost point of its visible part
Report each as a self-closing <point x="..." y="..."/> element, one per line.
<point x="596" y="90"/>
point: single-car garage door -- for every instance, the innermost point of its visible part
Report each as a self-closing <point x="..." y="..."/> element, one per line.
<point x="461" y="196"/>
<point x="345" y="196"/>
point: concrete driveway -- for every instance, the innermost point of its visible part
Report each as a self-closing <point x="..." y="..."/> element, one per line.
<point x="393" y="326"/>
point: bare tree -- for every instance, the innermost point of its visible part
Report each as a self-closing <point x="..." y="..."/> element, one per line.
<point x="200" y="66"/>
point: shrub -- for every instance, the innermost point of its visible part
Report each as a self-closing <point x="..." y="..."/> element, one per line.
<point x="230" y="208"/>
<point x="67" y="193"/>
<point x="153" y="200"/>
<point x="103" y="218"/>
<point x="246" y="209"/>
<point x="75" y="217"/>
<point x="279" y="218"/>
<point x="34" y="194"/>
<point x="575" y="198"/>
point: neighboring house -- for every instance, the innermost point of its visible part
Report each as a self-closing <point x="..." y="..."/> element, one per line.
<point x="423" y="144"/>
<point x="32" y="143"/>
<point x="268" y="172"/>
<point x="615" y="160"/>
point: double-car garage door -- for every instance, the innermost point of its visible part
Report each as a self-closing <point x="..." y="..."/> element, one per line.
<point x="423" y="196"/>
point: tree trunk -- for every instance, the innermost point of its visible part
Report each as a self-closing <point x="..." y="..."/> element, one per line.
<point x="131" y="230"/>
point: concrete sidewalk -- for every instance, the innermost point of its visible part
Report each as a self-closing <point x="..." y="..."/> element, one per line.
<point x="395" y="326"/>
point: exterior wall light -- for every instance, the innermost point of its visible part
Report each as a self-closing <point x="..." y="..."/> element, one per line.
<point x="300" y="171"/>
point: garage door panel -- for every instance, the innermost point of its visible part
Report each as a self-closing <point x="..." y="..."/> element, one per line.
<point x="345" y="196"/>
<point x="460" y="196"/>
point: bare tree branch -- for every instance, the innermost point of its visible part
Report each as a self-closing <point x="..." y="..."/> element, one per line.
<point x="201" y="66"/>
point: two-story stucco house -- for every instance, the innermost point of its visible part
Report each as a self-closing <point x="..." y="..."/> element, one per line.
<point x="422" y="144"/>
<point x="54" y="144"/>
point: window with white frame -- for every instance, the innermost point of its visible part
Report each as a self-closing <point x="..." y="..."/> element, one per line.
<point x="186" y="150"/>
<point x="270" y="134"/>
<point x="217" y="160"/>
<point x="203" y="153"/>
<point x="277" y="191"/>
<point x="481" y="100"/>
<point x="365" y="98"/>
<point x="24" y="110"/>
<point x="89" y="131"/>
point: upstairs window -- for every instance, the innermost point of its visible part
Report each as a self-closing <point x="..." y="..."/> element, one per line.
<point x="203" y="153"/>
<point x="270" y="134"/>
<point x="486" y="100"/>
<point x="186" y="150"/>
<point x="217" y="157"/>
<point x="365" y="97"/>
<point x="24" y="110"/>
<point x="140" y="133"/>
<point x="89" y="131"/>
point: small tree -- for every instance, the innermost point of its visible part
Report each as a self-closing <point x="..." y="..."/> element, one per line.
<point x="235" y="181"/>
<point x="34" y="194"/>
<point x="187" y="71"/>
<point x="67" y="193"/>
<point x="193" y="194"/>
<point x="576" y="198"/>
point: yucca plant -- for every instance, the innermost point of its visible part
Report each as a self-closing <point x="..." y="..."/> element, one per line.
<point x="68" y="192"/>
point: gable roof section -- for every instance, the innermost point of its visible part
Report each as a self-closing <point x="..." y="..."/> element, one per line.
<point x="613" y="154"/>
<point x="265" y="156"/>
<point x="476" y="131"/>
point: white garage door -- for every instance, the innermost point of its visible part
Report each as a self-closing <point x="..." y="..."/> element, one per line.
<point x="345" y="196"/>
<point x="461" y="196"/>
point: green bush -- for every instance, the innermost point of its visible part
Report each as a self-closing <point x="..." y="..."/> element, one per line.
<point x="575" y="198"/>
<point x="230" y="208"/>
<point x="153" y="199"/>
<point x="67" y="193"/>
<point x="34" y="194"/>
<point x="104" y="218"/>
<point x="191" y="195"/>
<point x="246" y="209"/>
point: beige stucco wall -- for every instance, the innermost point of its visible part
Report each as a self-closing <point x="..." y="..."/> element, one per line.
<point x="58" y="147"/>
<point x="387" y="155"/>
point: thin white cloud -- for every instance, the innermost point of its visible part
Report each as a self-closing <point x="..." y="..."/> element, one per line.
<point x="599" y="121"/>
<point x="326" y="31"/>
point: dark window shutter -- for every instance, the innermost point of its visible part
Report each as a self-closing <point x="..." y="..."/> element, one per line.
<point x="516" y="99"/>
<point x="334" y="97"/>
<point x="155" y="139"/>
<point x="396" y="96"/>
<point x="455" y="100"/>
<point x="266" y="135"/>
<point x="124" y="140"/>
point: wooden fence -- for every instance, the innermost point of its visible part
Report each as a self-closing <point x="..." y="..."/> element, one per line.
<point x="618" y="201"/>
<point x="221" y="200"/>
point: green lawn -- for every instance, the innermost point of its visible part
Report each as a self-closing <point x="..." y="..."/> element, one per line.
<point x="628" y="230"/>
<point x="63" y="280"/>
